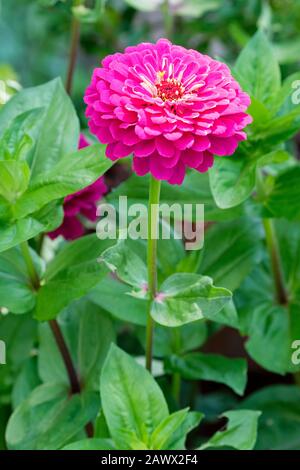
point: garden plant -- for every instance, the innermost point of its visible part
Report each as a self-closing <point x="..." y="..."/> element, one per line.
<point x="120" y="328"/>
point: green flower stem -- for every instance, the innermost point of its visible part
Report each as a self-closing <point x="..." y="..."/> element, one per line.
<point x="34" y="278"/>
<point x="272" y="244"/>
<point x="75" y="35"/>
<point x="153" y="219"/>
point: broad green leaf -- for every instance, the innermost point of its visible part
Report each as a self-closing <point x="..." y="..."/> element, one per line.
<point x="257" y="69"/>
<point x="213" y="367"/>
<point x="276" y="326"/>
<point x="45" y="220"/>
<point x="232" y="179"/>
<point x="16" y="292"/>
<point x="191" y="421"/>
<point x="132" y="402"/>
<point x="26" y="381"/>
<point x="14" y="179"/>
<point x="241" y="431"/>
<point x="49" y="419"/>
<point x="162" y="434"/>
<point x="91" y="444"/>
<point x="284" y="198"/>
<point x="57" y="131"/>
<point x="231" y="251"/>
<point x="144" y="5"/>
<point x="19" y="335"/>
<point x="112" y="296"/>
<point x="261" y="318"/>
<point x="72" y="173"/>
<point x="184" y="298"/>
<point x="72" y="273"/>
<point x="88" y="333"/>
<point x="278" y="427"/>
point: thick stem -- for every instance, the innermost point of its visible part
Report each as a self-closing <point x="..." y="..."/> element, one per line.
<point x="272" y="244"/>
<point x="153" y="219"/>
<point x="75" y="34"/>
<point x="34" y="278"/>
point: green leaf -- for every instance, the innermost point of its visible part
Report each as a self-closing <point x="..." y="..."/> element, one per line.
<point x="57" y="132"/>
<point x="261" y="318"/>
<point x="14" y="179"/>
<point x="73" y="273"/>
<point x="88" y="333"/>
<point x="241" y="431"/>
<point x="126" y="264"/>
<point x="132" y="402"/>
<point x="232" y="179"/>
<point x="184" y="298"/>
<point x="16" y="292"/>
<point x="278" y="327"/>
<point x="257" y="69"/>
<point x="191" y="421"/>
<point x="45" y="220"/>
<point x="164" y="431"/>
<point x="278" y="427"/>
<point x="26" y="381"/>
<point x="213" y="367"/>
<point x="91" y="444"/>
<point x="48" y="419"/>
<point x="19" y="334"/>
<point x="284" y="198"/>
<point x="113" y="296"/>
<point x="73" y="172"/>
<point x="231" y="251"/>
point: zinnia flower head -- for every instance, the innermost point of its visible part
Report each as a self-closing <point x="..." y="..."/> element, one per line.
<point x="170" y="107"/>
<point x="81" y="204"/>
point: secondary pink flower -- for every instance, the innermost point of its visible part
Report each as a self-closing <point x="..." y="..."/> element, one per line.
<point x="80" y="204"/>
<point x="170" y="107"/>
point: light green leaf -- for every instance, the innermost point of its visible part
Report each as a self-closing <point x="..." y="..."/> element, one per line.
<point x="91" y="444"/>
<point x="72" y="273"/>
<point x="57" y="132"/>
<point x="241" y="431"/>
<point x="14" y="179"/>
<point x="184" y="298"/>
<point x="132" y="402"/>
<point x="257" y="69"/>
<point x="164" y="431"/>
<point x="48" y="419"/>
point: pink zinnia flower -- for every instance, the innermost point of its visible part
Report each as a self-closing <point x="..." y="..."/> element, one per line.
<point x="170" y="107"/>
<point x="80" y="204"/>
